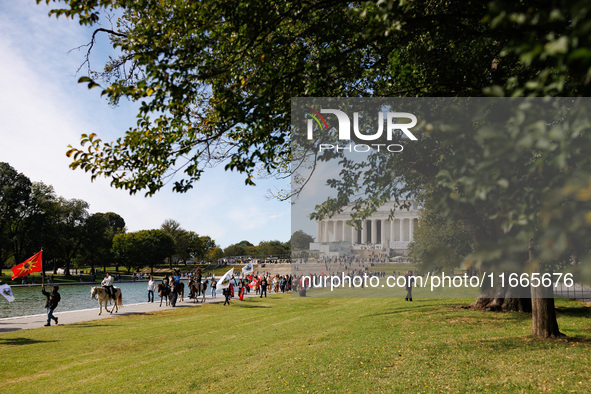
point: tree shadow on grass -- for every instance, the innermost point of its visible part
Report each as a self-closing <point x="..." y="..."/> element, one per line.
<point x="582" y="311"/>
<point x="89" y="325"/>
<point x="575" y="339"/>
<point x="404" y="309"/>
<point x="510" y="343"/>
<point x="242" y="305"/>
<point x="21" y="341"/>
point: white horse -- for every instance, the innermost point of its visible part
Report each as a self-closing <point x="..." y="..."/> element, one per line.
<point x="104" y="297"/>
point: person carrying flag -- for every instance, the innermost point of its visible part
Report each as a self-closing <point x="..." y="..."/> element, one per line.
<point x="53" y="299"/>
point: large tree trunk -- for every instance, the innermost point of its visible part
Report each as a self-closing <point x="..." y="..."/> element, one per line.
<point x="67" y="268"/>
<point x="506" y="299"/>
<point x="544" y="323"/>
<point x="503" y="304"/>
<point x="543" y="316"/>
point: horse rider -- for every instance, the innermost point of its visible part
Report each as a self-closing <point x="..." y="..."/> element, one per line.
<point x="198" y="277"/>
<point x="107" y="284"/>
<point x="176" y="277"/>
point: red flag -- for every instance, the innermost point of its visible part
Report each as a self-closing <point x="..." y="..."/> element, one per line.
<point x="32" y="264"/>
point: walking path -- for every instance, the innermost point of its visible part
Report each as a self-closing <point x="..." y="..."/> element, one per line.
<point x="70" y="317"/>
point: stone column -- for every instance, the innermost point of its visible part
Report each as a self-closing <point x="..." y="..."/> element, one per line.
<point x="335" y="231"/>
<point x="318" y="231"/>
<point x="374" y="231"/>
<point x="335" y="234"/>
<point x="364" y="232"/>
<point x="331" y="231"/>
<point x="411" y="229"/>
<point x="392" y="231"/>
<point x="401" y="229"/>
<point x="353" y="235"/>
<point x="383" y="241"/>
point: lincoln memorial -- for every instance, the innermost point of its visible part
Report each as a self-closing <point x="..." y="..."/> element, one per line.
<point x="389" y="228"/>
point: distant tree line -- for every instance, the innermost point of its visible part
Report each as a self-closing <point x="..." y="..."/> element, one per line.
<point x="32" y="217"/>
<point x="263" y="249"/>
<point x="299" y="241"/>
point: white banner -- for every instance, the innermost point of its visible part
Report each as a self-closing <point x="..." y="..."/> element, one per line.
<point x="7" y="292"/>
<point x="225" y="280"/>
<point x="248" y="269"/>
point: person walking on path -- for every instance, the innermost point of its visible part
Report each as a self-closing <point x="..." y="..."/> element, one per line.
<point x="408" y="283"/>
<point x="263" y="287"/>
<point x="173" y="293"/>
<point x="151" y="289"/>
<point x="241" y="291"/>
<point x="53" y="299"/>
<point x="226" y="293"/>
<point x="214" y="284"/>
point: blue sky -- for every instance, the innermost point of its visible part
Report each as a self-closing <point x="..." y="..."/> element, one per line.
<point x="43" y="110"/>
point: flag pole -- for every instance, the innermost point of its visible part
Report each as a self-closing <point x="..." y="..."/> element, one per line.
<point x="42" y="271"/>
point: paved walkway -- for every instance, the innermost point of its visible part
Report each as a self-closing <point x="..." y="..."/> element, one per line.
<point x="70" y="317"/>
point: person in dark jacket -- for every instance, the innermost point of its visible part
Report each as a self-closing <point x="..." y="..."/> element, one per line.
<point x="263" y="287"/>
<point x="53" y="299"/>
<point x="409" y="281"/>
<point x="226" y="293"/>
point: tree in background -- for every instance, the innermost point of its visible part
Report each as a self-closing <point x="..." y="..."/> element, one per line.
<point x="206" y="244"/>
<point x="188" y="244"/>
<point x="214" y="254"/>
<point x="142" y="248"/>
<point x="249" y="249"/>
<point x="100" y="229"/>
<point x="193" y="246"/>
<point x="273" y="248"/>
<point x="42" y="225"/>
<point x="71" y="221"/>
<point x="15" y="191"/>
<point x="440" y="244"/>
<point x="177" y="233"/>
<point x="235" y="250"/>
<point x="33" y="217"/>
<point x="301" y="240"/>
<point x="125" y="250"/>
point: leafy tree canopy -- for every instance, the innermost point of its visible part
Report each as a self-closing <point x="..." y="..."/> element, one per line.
<point x="214" y="79"/>
<point x="301" y="240"/>
<point x="440" y="244"/>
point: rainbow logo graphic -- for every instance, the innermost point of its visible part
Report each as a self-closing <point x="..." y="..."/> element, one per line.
<point x="317" y="117"/>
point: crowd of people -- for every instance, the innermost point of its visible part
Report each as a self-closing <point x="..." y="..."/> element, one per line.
<point x="240" y="286"/>
<point x="261" y="285"/>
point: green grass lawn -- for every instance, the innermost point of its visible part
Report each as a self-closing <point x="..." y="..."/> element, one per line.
<point x="289" y="344"/>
